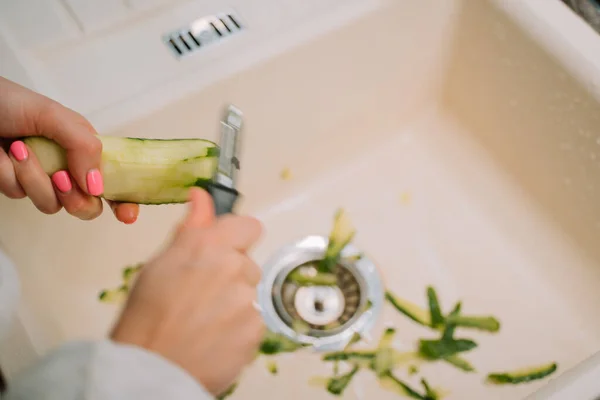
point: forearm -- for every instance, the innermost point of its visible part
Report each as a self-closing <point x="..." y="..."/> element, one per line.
<point x="104" y="370"/>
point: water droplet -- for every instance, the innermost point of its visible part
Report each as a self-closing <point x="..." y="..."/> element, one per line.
<point x="598" y="140"/>
<point x="593" y="156"/>
<point x="513" y="103"/>
<point x="567" y="181"/>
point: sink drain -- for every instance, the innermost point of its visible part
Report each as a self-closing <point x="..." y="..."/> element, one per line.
<point x="325" y="315"/>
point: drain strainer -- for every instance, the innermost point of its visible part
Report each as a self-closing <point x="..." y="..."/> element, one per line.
<point x="323" y="315"/>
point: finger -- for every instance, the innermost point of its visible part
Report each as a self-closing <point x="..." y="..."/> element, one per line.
<point x="73" y="199"/>
<point x="125" y="212"/>
<point x="239" y="232"/>
<point x="252" y="330"/>
<point x="77" y="136"/>
<point x="9" y="186"/>
<point x="201" y="211"/>
<point x="33" y="179"/>
<point x="252" y="272"/>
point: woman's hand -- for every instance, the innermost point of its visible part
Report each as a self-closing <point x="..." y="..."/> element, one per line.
<point x="193" y="303"/>
<point x="26" y="113"/>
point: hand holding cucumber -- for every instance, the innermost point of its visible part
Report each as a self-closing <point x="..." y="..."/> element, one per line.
<point x="193" y="302"/>
<point x="77" y="187"/>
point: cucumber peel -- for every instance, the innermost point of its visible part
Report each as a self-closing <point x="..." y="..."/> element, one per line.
<point x="274" y="343"/>
<point x="411" y="310"/>
<point x="440" y="349"/>
<point x="142" y="171"/>
<point x="341" y="235"/>
<point x="303" y="277"/>
<point x="392" y="383"/>
<point x="338" y="384"/>
<point x="523" y="375"/>
<point x="227" y="392"/>
<point x="450" y="327"/>
<point x="459" y="363"/>
<point x="488" y="324"/>
<point x="436" y="317"/>
<point x="272" y="367"/>
<point x="118" y="295"/>
<point x="383" y="362"/>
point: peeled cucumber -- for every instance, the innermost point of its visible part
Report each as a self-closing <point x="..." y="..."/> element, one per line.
<point x="142" y="171"/>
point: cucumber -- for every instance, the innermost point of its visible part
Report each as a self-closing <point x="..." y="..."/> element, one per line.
<point x="412" y="311"/>
<point x="341" y="235"/>
<point x="523" y="375"/>
<point x="142" y="171"/>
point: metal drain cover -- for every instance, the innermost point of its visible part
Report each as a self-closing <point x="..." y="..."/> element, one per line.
<point x="329" y="314"/>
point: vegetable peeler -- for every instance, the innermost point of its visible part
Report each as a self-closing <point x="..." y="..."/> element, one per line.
<point x="222" y="188"/>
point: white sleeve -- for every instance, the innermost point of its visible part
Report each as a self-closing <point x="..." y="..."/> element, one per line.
<point x="102" y="371"/>
<point x="10" y="293"/>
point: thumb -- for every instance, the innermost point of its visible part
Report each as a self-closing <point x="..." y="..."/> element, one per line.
<point x="201" y="211"/>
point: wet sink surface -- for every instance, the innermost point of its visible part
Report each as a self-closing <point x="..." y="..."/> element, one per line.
<point x="464" y="151"/>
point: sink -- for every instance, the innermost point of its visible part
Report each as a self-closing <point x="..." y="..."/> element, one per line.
<point x="463" y="140"/>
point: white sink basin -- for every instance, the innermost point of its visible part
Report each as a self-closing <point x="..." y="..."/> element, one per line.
<point x="463" y="138"/>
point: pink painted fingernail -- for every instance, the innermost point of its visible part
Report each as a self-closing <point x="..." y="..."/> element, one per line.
<point x="19" y="150"/>
<point x="94" y="182"/>
<point x="62" y="181"/>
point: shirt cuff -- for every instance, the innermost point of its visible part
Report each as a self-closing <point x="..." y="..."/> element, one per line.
<point x="105" y="370"/>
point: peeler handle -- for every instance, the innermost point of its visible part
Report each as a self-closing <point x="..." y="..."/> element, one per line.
<point x="224" y="198"/>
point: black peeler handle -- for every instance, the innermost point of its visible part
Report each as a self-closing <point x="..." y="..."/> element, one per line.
<point x="224" y="198"/>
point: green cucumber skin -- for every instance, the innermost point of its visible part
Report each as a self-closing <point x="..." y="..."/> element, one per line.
<point x="437" y="319"/>
<point x="336" y="386"/>
<point x="439" y="349"/>
<point x="394" y="301"/>
<point x="512" y="378"/>
<point x="275" y="344"/>
<point x="409" y="392"/>
<point x="450" y="327"/>
<point x="349" y="356"/>
<point x="459" y="363"/>
<point x="488" y="324"/>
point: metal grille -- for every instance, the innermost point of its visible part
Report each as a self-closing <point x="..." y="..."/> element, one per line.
<point x="202" y="32"/>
